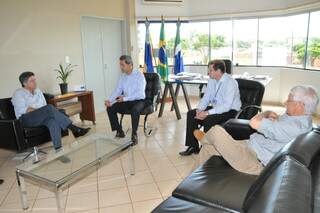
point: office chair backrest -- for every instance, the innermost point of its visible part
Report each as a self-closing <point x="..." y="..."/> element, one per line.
<point x="152" y="87"/>
<point x="251" y="93"/>
<point x="229" y="66"/>
<point x="6" y="109"/>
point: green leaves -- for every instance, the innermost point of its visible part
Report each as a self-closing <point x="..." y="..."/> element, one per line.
<point x="64" y="72"/>
<point x="313" y="50"/>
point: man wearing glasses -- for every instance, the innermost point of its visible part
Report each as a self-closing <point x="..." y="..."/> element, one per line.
<point x="220" y="102"/>
<point x="273" y="133"/>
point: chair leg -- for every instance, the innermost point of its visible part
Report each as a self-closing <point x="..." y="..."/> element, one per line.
<point x="148" y="131"/>
<point x="35" y="154"/>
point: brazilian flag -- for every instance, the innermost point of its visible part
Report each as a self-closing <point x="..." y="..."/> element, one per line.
<point x="163" y="60"/>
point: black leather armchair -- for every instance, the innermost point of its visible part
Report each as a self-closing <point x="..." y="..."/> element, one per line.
<point x="14" y="136"/>
<point x="151" y="101"/>
<point x="251" y="95"/>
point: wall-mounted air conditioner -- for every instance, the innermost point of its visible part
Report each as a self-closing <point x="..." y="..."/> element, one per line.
<point x="163" y="1"/>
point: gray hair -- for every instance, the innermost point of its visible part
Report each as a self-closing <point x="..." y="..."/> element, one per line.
<point x="308" y="96"/>
<point x="127" y="59"/>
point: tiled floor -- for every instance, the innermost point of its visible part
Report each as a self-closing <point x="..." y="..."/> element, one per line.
<point x="159" y="169"/>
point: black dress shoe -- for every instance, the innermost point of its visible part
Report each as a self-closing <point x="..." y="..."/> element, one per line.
<point x="120" y="134"/>
<point x="1" y="181"/>
<point x="80" y="131"/>
<point x="134" y="139"/>
<point x="191" y="150"/>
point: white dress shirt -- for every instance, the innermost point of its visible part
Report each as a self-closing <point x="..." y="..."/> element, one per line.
<point x="22" y="99"/>
<point x="223" y="94"/>
<point x="131" y="86"/>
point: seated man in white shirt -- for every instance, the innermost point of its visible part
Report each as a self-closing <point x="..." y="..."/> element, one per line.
<point x="128" y="95"/>
<point x="32" y="110"/>
<point x="273" y="133"/>
<point x="223" y="95"/>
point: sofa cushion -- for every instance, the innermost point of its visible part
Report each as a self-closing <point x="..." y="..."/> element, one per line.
<point x="216" y="184"/>
<point x="287" y="189"/>
<point x="30" y="132"/>
<point x="177" y="205"/>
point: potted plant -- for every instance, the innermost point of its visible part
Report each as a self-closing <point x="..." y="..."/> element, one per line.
<point x="63" y="74"/>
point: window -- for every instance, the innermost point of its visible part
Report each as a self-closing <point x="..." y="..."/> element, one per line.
<point x="245" y="34"/>
<point x="297" y="28"/>
<point x="221" y="39"/>
<point x="269" y="41"/>
<point x="313" y="54"/>
<point x="273" y="49"/>
<point x="195" y="42"/>
<point x="282" y="40"/>
<point x="141" y="41"/>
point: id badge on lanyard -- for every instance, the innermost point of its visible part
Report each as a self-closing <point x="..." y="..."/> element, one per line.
<point x="214" y="101"/>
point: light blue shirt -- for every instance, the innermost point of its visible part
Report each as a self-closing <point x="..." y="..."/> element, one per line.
<point x="223" y="94"/>
<point x="131" y="86"/>
<point x="22" y="99"/>
<point x="273" y="135"/>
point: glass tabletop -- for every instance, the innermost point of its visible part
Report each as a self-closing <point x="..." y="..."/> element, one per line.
<point x="61" y="166"/>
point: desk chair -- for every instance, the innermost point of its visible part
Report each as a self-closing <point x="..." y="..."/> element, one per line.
<point x="251" y="95"/>
<point x="151" y="101"/>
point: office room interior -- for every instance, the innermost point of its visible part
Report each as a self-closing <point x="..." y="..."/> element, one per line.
<point x="159" y="106"/>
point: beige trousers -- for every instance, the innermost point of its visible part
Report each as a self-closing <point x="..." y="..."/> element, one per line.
<point x="236" y="152"/>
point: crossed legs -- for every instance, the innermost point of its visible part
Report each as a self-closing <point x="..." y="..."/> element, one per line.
<point x="236" y="152"/>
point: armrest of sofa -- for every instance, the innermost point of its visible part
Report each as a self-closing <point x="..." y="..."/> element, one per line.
<point x="239" y="129"/>
<point x="11" y="134"/>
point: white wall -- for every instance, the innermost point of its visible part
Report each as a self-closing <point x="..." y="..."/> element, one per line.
<point x="36" y="35"/>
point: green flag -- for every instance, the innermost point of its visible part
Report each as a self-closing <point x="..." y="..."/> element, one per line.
<point x="163" y="60"/>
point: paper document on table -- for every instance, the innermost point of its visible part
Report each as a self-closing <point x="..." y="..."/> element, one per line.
<point x="188" y="76"/>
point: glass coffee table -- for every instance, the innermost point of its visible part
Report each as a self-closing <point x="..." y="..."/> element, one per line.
<point x="79" y="159"/>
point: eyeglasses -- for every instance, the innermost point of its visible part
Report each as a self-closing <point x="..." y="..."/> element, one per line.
<point x="293" y="101"/>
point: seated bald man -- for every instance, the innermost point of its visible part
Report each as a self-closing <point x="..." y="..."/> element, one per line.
<point x="273" y="133"/>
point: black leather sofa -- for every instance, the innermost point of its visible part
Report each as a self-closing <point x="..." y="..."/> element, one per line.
<point x="13" y="136"/>
<point x="290" y="183"/>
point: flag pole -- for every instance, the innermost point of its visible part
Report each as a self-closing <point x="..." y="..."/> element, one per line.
<point x="153" y="56"/>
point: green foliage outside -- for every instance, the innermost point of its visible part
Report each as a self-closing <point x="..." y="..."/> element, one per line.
<point x="313" y="50"/>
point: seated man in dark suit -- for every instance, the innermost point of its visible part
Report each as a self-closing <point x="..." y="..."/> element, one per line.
<point x="32" y="110"/>
<point x="129" y="95"/>
<point x="224" y="97"/>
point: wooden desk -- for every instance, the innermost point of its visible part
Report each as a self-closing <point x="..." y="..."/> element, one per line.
<point x="86" y="99"/>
